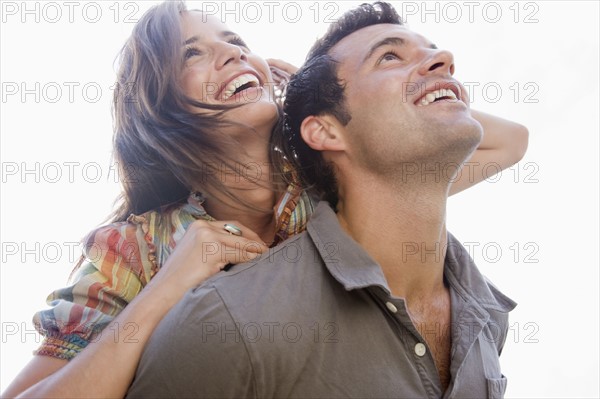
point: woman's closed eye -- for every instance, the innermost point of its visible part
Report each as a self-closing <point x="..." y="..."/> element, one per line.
<point x="191" y="51"/>
<point x="236" y="40"/>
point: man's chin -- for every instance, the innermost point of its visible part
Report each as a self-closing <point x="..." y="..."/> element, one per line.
<point x="459" y="141"/>
<point x="473" y="130"/>
<point x="466" y="129"/>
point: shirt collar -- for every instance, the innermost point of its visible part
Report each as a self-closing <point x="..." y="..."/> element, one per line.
<point x="347" y="261"/>
<point x="352" y="266"/>
<point x="468" y="282"/>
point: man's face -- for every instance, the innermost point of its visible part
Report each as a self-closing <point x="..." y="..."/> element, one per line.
<point x="404" y="103"/>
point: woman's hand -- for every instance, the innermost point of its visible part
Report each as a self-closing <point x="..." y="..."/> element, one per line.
<point x="281" y="69"/>
<point x="282" y="72"/>
<point x="205" y="249"/>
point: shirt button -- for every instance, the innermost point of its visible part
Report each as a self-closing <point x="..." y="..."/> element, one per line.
<point x="391" y="307"/>
<point x="420" y="349"/>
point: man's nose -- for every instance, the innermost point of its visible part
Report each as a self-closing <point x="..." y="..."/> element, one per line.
<point x="227" y="52"/>
<point x="441" y="62"/>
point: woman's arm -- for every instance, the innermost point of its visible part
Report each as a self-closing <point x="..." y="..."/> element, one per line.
<point x="504" y="144"/>
<point x="105" y="368"/>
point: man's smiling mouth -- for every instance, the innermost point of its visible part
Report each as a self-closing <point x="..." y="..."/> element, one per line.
<point x="437" y="95"/>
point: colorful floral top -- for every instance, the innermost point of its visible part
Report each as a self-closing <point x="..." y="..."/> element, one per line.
<point x="119" y="259"/>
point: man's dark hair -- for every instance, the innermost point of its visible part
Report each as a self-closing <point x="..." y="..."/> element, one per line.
<point x="316" y="90"/>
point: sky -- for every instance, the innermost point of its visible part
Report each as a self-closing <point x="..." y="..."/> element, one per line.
<point x="533" y="229"/>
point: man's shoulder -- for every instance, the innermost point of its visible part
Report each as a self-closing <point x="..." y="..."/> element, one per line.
<point x="278" y="277"/>
<point x="280" y="260"/>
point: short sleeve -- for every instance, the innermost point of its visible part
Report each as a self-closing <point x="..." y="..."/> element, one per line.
<point x="196" y="351"/>
<point x="116" y="264"/>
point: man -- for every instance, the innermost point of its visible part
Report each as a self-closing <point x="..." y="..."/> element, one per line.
<point x="376" y="299"/>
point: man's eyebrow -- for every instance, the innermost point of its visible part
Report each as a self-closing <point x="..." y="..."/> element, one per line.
<point x="195" y="38"/>
<point x="393" y="41"/>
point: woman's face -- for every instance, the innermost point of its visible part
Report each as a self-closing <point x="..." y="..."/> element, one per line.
<point x="219" y="68"/>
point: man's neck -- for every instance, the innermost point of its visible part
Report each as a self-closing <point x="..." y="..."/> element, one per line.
<point x="403" y="228"/>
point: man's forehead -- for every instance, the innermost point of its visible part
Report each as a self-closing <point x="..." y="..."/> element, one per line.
<point x="361" y="41"/>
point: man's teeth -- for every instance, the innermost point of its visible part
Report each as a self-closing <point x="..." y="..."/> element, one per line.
<point x="434" y="95"/>
<point x="237" y="83"/>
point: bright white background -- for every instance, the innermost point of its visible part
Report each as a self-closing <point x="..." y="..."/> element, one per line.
<point x="534" y="231"/>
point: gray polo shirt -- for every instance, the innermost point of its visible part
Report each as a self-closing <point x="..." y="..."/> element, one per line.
<point x="314" y="318"/>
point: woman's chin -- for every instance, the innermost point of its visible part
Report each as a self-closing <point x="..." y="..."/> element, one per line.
<point x="259" y="115"/>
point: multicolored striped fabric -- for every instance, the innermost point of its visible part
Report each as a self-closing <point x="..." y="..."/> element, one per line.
<point x="119" y="259"/>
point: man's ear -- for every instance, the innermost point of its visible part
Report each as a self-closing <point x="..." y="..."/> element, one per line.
<point x="322" y="133"/>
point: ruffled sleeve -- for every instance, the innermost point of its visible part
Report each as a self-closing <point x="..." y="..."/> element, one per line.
<point x="117" y="262"/>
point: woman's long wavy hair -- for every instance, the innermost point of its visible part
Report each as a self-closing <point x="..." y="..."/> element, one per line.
<point x="164" y="150"/>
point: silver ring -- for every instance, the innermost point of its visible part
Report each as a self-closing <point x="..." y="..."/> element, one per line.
<point x="232" y="229"/>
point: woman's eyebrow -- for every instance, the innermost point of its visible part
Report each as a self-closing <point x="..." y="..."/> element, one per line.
<point x="191" y="40"/>
<point x="228" y="33"/>
<point x="196" y="38"/>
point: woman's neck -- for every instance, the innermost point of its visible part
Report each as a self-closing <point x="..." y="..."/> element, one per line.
<point x="261" y="220"/>
<point x="252" y="182"/>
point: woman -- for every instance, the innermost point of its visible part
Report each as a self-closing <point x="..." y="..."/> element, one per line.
<point x="195" y="113"/>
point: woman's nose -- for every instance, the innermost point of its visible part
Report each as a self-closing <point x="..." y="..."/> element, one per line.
<point x="227" y="52"/>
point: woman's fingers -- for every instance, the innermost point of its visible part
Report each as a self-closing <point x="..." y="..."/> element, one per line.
<point x="220" y="245"/>
<point x="281" y="71"/>
<point x="247" y="239"/>
<point x="205" y="249"/>
<point x="233" y="256"/>
<point x="229" y="227"/>
<point x="283" y="66"/>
